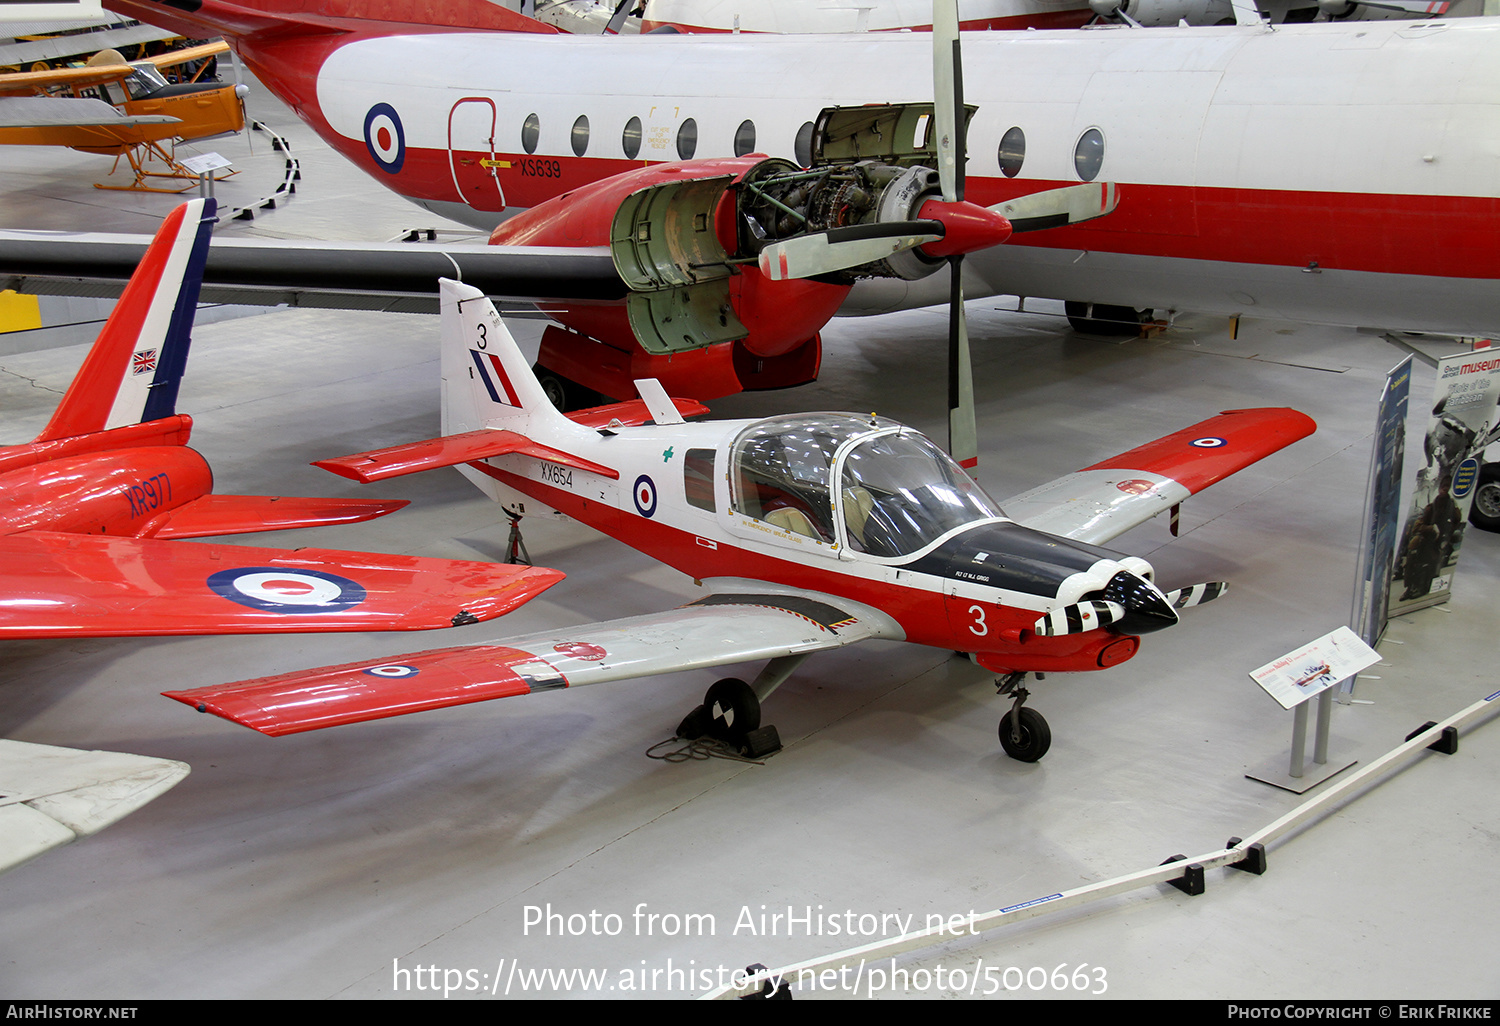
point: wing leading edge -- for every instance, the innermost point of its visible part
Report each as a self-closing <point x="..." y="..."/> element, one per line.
<point x="721" y="629"/>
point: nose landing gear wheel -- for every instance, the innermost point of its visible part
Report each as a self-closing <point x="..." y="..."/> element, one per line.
<point x="1029" y="741"/>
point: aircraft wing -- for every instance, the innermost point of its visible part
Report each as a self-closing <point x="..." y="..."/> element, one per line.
<point x="70" y="112"/>
<point x="724" y="628"/>
<point x="50" y="796"/>
<point x="24" y="83"/>
<point x="1107" y="499"/>
<point x="172" y="58"/>
<point x="390" y="275"/>
<point x="68" y="585"/>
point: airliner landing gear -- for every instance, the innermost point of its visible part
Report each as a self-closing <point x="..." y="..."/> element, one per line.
<point x="1024" y="734"/>
<point x="1099" y="319"/>
<point x="565" y="393"/>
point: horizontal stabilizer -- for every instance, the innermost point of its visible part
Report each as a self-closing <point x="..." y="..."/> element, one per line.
<point x="717" y="631"/>
<point x="451" y="451"/>
<point x="213" y="515"/>
<point x="1105" y="500"/>
<point x="69" y="585"/>
<point x="632" y="413"/>
<point x="50" y="796"/>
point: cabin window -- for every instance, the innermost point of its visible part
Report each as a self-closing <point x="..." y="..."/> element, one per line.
<point x="803" y="146"/>
<point x="1012" y="152"/>
<point x="630" y="139"/>
<point x="744" y="139"/>
<point x="687" y="139"/>
<point x="698" y="478"/>
<point x="581" y="135"/>
<point x="531" y="131"/>
<point x="1088" y="155"/>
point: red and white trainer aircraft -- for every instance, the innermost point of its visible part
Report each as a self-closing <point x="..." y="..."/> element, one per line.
<point x="809" y="531"/>
<point x="89" y="510"/>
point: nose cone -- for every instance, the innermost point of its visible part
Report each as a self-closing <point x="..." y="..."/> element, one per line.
<point x="1146" y="608"/>
<point x="967" y="228"/>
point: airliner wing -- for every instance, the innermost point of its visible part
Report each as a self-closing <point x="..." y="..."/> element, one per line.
<point x="397" y="275"/>
<point x="67" y="585"/>
<point x="721" y="629"/>
<point x="50" y="796"/>
<point x="1107" y="499"/>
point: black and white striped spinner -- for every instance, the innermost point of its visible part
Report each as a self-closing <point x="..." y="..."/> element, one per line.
<point x="1079" y="617"/>
<point x="1196" y="594"/>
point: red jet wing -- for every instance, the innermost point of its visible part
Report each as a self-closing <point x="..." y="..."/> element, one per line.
<point x="63" y="585"/>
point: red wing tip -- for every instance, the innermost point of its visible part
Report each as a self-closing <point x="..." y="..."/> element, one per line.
<point x="337" y="466"/>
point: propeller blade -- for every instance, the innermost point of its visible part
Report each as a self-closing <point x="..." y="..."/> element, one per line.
<point x="1055" y="208"/>
<point x="963" y="432"/>
<point x="617" y="20"/>
<point x="1079" y="617"/>
<point x="838" y="249"/>
<point x="948" y="99"/>
<point x="1196" y="594"/>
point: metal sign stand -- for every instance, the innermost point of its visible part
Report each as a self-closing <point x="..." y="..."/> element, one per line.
<point x="1294" y="679"/>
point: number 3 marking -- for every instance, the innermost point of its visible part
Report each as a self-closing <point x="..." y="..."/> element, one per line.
<point x="979" y="627"/>
<point x="484" y="339"/>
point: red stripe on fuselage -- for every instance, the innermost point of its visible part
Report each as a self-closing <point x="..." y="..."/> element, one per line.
<point x="922" y="614"/>
<point x="1444" y="236"/>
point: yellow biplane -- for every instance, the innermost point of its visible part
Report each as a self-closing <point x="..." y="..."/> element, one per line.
<point x="121" y="108"/>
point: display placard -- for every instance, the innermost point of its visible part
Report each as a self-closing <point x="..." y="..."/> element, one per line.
<point x="1301" y="674"/>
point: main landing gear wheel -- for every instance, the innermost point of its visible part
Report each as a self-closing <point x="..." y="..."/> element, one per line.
<point x="730" y="710"/>
<point x="733" y="710"/>
<point x="1099" y="319"/>
<point x="730" y="715"/>
<point x="1030" y="741"/>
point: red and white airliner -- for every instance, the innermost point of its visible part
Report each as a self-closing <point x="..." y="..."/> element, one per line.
<point x="975" y="15"/>
<point x="90" y="512"/>
<point x="810" y="532"/>
<point x="1337" y="173"/>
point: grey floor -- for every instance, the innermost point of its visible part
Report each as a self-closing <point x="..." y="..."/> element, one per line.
<point x="323" y="865"/>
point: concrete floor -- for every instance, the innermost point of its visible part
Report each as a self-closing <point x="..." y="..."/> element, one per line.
<point x="354" y="862"/>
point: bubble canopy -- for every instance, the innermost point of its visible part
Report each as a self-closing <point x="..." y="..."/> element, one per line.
<point x="863" y="482"/>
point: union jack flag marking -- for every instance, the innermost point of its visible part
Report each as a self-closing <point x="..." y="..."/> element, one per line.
<point x="143" y="362"/>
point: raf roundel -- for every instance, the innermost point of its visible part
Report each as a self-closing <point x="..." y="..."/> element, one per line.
<point x="278" y="590"/>
<point x="393" y="670"/>
<point x="385" y="138"/>
<point x="1208" y="443"/>
<point x="645" y="497"/>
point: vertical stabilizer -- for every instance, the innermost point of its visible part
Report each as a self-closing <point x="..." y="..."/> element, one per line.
<point x="135" y="366"/>
<point x="487" y="383"/>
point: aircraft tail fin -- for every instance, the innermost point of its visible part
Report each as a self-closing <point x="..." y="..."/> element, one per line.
<point x="133" y="370"/>
<point x="487" y="383"/>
